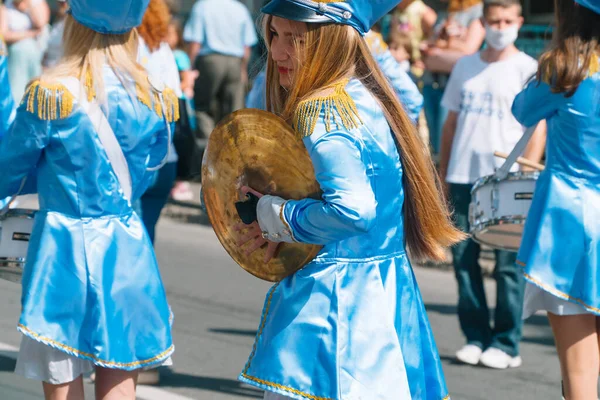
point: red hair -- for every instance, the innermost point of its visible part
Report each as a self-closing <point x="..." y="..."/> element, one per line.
<point x="155" y="24"/>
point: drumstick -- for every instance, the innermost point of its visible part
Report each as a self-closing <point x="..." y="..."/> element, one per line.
<point x="522" y="161"/>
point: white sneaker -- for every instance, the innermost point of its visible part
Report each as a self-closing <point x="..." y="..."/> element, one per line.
<point x="469" y="354"/>
<point x="496" y="358"/>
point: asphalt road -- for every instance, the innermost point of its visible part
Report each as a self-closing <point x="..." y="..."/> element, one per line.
<point x="217" y="308"/>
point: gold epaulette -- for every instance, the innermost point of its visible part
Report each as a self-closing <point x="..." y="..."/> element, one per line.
<point x="49" y="101"/>
<point x="376" y="43"/>
<point x="339" y="108"/>
<point x="152" y="101"/>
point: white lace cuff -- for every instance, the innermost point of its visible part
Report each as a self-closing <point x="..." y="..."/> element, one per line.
<point x="272" y="221"/>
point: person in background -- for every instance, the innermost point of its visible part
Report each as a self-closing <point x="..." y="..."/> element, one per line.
<point x="401" y="48"/>
<point x="480" y="122"/>
<point x="415" y="20"/>
<point x="156" y="56"/>
<point x="22" y="24"/>
<point x="220" y="34"/>
<point x="463" y="30"/>
<point x="7" y="103"/>
<point x="54" y="49"/>
<point x="181" y="190"/>
<point x="560" y="249"/>
<point x="407" y="91"/>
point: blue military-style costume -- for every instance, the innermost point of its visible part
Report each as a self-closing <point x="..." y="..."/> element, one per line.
<point x="560" y="250"/>
<point x="91" y="284"/>
<point x="351" y="324"/>
<point x="7" y="104"/>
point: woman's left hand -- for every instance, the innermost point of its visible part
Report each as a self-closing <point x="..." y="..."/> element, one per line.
<point x="254" y="235"/>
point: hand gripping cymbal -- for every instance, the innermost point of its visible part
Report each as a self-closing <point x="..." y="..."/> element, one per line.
<point x="257" y="149"/>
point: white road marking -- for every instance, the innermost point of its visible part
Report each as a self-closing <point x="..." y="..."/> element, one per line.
<point x="143" y="392"/>
<point x="8" y="351"/>
<point x="154" y="393"/>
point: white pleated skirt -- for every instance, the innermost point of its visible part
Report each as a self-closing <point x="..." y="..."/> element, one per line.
<point x="275" y="396"/>
<point x="537" y="299"/>
<point x="41" y="362"/>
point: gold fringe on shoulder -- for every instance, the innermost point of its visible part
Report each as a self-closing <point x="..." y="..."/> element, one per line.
<point x="50" y="101"/>
<point x="594" y="65"/>
<point x="152" y="101"/>
<point x="337" y="104"/>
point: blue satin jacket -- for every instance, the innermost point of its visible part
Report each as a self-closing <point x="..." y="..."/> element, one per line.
<point x="560" y="250"/>
<point x="352" y="323"/>
<point x="7" y="104"/>
<point x="91" y="284"/>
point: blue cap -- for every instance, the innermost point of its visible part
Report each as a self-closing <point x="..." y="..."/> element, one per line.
<point x="360" y="14"/>
<point x="593" y="5"/>
<point x="109" y="16"/>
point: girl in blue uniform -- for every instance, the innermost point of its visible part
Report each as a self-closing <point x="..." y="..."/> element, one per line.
<point x="92" y="293"/>
<point x="560" y="251"/>
<point x="352" y="323"/>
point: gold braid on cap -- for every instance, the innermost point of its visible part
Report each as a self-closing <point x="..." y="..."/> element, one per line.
<point x="49" y="101"/>
<point x="339" y="109"/>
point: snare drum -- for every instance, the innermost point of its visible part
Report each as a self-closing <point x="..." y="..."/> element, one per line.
<point x="15" y="231"/>
<point x="499" y="208"/>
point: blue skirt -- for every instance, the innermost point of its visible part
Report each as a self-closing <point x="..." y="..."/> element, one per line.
<point x="92" y="288"/>
<point x="347" y="329"/>
<point x="560" y="250"/>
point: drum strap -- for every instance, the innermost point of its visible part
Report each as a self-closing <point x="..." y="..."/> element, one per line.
<point x="503" y="171"/>
<point x="105" y="134"/>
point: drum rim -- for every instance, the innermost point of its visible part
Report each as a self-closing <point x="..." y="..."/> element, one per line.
<point x="19" y="213"/>
<point x="9" y="262"/>
<point x="511" y="219"/>
<point x="516" y="220"/>
<point x="512" y="176"/>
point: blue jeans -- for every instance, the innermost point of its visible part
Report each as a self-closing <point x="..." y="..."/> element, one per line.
<point x="473" y="312"/>
<point x="435" y="114"/>
<point x="155" y="198"/>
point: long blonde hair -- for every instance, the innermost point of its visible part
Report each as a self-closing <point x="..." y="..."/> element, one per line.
<point x="328" y="54"/>
<point x="86" y="52"/>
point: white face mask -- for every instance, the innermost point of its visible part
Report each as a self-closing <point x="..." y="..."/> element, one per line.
<point x="501" y="39"/>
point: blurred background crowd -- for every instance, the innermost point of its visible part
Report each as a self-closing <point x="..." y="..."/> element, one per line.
<point x="212" y="50"/>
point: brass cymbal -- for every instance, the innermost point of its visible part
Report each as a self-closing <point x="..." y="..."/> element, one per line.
<point x="257" y="149"/>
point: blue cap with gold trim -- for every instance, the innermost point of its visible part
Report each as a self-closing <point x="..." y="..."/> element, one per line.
<point x="593" y="5"/>
<point x="109" y="16"/>
<point x="360" y="14"/>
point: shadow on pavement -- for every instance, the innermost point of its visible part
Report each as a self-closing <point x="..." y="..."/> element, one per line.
<point x="237" y="332"/>
<point x="7" y="364"/>
<point x="447" y="309"/>
<point x="543" y="340"/>
<point x="189" y="213"/>
<point x="169" y="378"/>
<point x="441" y="308"/>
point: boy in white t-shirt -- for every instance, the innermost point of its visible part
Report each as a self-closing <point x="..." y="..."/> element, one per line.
<point x="479" y="97"/>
